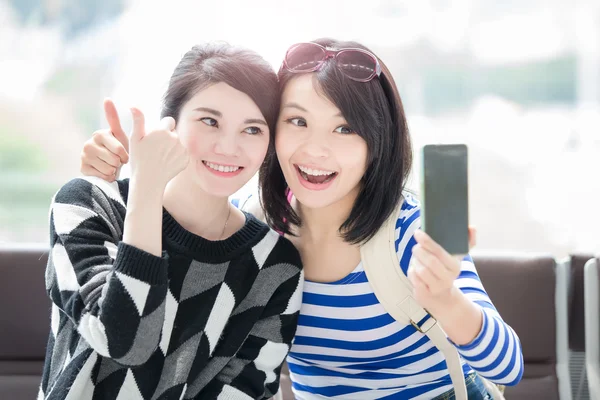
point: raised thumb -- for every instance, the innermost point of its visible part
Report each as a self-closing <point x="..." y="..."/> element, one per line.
<point x="138" y="124"/>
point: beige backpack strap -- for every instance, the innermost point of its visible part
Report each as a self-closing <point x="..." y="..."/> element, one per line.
<point x="394" y="291"/>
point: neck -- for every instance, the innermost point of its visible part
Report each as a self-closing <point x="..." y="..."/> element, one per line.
<point x="194" y="209"/>
<point x="322" y="224"/>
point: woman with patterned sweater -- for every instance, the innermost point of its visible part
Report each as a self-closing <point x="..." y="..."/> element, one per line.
<point x="161" y="289"/>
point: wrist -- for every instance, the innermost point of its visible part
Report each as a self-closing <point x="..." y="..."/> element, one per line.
<point x="144" y="195"/>
<point x="460" y="318"/>
<point x="447" y="305"/>
<point x="147" y="186"/>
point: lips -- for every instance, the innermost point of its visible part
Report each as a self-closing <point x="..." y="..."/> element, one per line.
<point x="316" y="176"/>
<point x="315" y="179"/>
<point x="222" y="170"/>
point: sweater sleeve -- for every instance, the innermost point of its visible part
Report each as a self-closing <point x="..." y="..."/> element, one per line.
<point x="112" y="292"/>
<point x="253" y="373"/>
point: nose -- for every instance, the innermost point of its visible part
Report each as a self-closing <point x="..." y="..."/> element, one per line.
<point x="226" y="144"/>
<point x="316" y="144"/>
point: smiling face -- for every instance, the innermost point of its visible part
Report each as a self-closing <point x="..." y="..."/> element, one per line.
<point x="319" y="115"/>
<point x="227" y="138"/>
<point x="322" y="158"/>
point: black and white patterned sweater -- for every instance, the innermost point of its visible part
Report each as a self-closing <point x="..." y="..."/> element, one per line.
<point x="207" y="320"/>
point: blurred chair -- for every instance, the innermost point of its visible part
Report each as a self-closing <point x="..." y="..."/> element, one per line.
<point x="571" y="283"/>
<point x="523" y="289"/>
<point x="592" y="326"/>
<point x="24" y="321"/>
<point x="563" y="303"/>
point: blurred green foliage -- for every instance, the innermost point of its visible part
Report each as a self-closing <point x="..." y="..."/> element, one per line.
<point x="449" y="88"/>
<point x="17" y="154"/>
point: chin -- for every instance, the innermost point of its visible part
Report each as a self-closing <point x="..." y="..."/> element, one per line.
<point x="314" y="200"/>
<point x="222" y="189"/>
<point x="214" y="187"/>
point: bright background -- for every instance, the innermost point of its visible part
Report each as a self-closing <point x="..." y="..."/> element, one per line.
<point x="517" y="80"/>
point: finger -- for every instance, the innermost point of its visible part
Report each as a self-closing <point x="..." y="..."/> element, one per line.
<point x="416" y="280"/>
<point x="433" y="247"/>
<point x="108" y="157"/>
<point x="167" y="124"/>
<point x="101" y="166"/>
<point x="138" y="124"/>
<point x="88" y="170"/>
<point x="426" y="275"/>
<point x="472" y="237"/>
<point x="114" y="123"/>
<point x="434" y="264"/>
<point x="411" y="274"/>
<point x="107" y="140"/>
<point x="94" y="151"/>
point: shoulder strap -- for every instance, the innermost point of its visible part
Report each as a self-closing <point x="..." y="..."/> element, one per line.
<point x="394" y="291"/>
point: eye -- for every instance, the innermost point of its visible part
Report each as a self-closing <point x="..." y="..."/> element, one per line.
<point x="296" y="121"/>
<point x="253" y="130"/>
<point x="344" y="129"/>
<point x="210" y="121"/>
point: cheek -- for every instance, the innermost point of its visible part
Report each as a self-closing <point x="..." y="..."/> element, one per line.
<point x="188" y="141"/>
<point x="194" y="142"/>
<point x="256" y="148"/>
<point x="364" y="157"/>
<point x="284" y="146"/>
<point x="355" y="156"/>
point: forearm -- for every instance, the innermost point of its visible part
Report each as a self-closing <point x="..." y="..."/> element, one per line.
<point x="96" y="281"/>
<point x="143" y="222"/>
<point x="126" y="320"/>
<point x="496" y="352"/>
<point x="460" y="318"/>
<point x="472" y="329"/>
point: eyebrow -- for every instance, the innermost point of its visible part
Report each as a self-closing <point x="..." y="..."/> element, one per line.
<point x="220" y="115"/>
<point x="255" y="121"/>
<point x="299" y="107"/>
<point x="295" y="105"/>
<point x="210" y="111"/>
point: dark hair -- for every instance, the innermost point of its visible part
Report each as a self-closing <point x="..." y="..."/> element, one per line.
<point x="374" y="110"/>
<point x="216" y="62"/>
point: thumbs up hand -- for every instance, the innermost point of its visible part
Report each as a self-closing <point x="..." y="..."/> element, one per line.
<point x="157" y="156"/>
<point x="108" y="149"/>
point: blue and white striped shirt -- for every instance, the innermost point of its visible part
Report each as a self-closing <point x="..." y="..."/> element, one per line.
<point x="348" y="347"/>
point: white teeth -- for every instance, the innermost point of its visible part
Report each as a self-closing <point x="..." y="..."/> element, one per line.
<point x="314" y="172"/>
<point x="221" y="168"/>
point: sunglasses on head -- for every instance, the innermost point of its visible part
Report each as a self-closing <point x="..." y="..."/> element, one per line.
<point x="357" y="64"/>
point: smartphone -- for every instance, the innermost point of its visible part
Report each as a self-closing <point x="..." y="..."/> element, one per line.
<point x="445" y="196"/>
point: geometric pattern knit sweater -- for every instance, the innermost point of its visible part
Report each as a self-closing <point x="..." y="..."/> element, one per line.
<point x="207" y="320"/>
